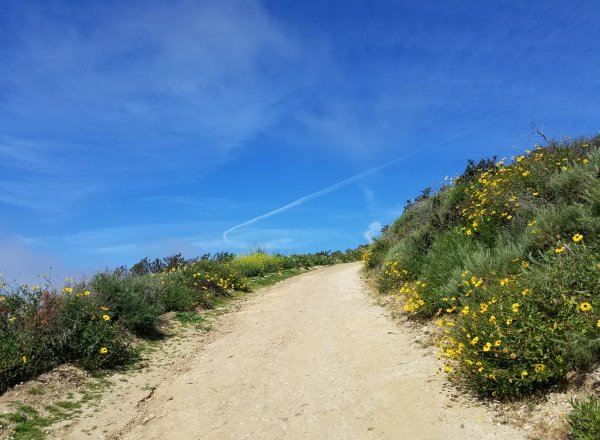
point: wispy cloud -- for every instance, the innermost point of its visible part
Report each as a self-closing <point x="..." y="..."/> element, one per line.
<point x="372" y="231"/>
<point x="359" y="176"/>
<point x="140" y="90"/>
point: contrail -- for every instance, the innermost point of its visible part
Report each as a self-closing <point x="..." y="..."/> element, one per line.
<point x="354" y="178"/>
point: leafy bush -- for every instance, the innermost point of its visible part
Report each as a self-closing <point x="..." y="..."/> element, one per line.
<point x="41" y="328"/>
<point x="84" y="333"/>
<point x="584" y="419"/>
<point x="132" y="300"/>
<point x="447" y="255"/>
<point x="175" y="294"/>
<point x="257" y="264"/>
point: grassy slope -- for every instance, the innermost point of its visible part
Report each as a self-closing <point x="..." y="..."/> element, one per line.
<point x="507" y="260"/>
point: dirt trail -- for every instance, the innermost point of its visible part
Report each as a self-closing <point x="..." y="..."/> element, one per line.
<point x="310" y="358"/>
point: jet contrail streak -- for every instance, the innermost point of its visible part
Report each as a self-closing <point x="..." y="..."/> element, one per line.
<point x="353" y="179"/>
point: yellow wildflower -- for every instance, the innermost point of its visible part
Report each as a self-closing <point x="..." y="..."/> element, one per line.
<point x="24" y="359"/>
<point x="515" y="307"/>
<point x="497" y="343"/>
<point x="106" y="317"/>
<point x="539" y="368"/>
<point x="103" y="350"/>
<point x="585" y="307"/>
<point x="577" y="238"/>
<point x="487" y="346"/>
<point x="483" y="307"/>
<point x="67" y="289"/>
<point x="559" y="250"/>
<point x="524" y="374"/>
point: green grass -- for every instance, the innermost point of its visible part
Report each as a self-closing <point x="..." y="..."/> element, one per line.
<point x="189" y="318"/>
<point x="584" y="419"/>
<point x="34" y="391"/>
<point x="193" y="318"/>
<point x="29" y="423"/>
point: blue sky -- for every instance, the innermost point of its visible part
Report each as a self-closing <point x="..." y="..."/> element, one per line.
<point x="146" y="128"/>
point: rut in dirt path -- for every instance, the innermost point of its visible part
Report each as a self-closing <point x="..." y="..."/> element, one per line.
<point x="313" y="358"/>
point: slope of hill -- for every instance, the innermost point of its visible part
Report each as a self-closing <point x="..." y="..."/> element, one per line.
<point x="506" y="259"/>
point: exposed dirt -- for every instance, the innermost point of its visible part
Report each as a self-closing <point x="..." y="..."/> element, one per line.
<point x="311" y="357"/>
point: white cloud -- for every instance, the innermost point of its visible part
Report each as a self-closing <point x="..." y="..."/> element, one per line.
<point x="88" y="105"/>
<point x="373" y="230"/>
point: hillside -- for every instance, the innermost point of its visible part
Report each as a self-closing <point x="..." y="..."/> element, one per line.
<point x="506" y="259"/>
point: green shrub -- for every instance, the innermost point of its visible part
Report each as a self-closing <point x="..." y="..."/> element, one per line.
<point x="175" y="293"/>
<point x="377" y="252"/>
<point x="571" y="185"/>
<point x="257" y="264"/>
<point x="523" y="332"/>
<point x="86" y="334"/>
<point x="446" y="255"/>
<point x="40" y="328"/>
<point x="132" y="300"/>
<point x="584" y="419"/>
<point x="561" y="221"/>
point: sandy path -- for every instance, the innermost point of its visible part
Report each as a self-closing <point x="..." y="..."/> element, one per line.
<point x="312" y="358"/>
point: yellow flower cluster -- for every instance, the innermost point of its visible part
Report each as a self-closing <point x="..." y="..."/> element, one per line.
<point x="396" y="275"/>
<point x="413" y="299"/>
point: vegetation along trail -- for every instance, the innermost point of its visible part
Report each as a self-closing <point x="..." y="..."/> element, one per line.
<point x="310" y="358"/>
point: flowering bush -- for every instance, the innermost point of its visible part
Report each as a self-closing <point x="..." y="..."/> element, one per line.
<point x="40" y="328"/>
<point x="509" y="268"/>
